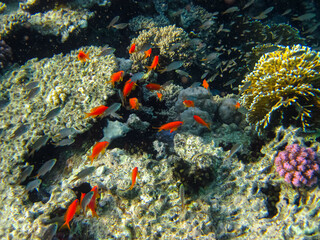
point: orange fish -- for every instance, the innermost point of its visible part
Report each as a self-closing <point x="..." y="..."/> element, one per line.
<point x="154" y="86"/>
<point x="97" y="111"/>
<point x="92" y="204"/>
<point x="132" y="48"/>
<point x="147" y="53"/>
<point x="71" y="211"/>
<point x="188" y="103"/>
<point x="116" y="77"/>
<point x="172" y="126"/>
<point x="134" y="103"/>
<point x="237" y="105"/>
<point x="83" y="56"/>
<point x="154" y="64"/>
<point x="98" y="148"/>
<point x="205" y="84"/>
<point x="134" y="176"/>
<point x="128" y="87"/>
<point x="201" y="121"/>
<point x="159" y="96"/>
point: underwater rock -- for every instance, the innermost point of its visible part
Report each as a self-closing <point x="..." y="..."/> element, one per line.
<point x="115" y="129"/>
<point x="228" y="112"/>
<point x="134" y="122"/>
<point x="191" y="125"/>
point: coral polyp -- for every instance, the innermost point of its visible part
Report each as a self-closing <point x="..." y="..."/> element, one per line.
<point x="283" y="89"/>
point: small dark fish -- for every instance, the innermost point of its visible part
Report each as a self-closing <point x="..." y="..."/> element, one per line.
<point x="112" y="110"/>
<point x="85" y="172"/>
<point x="26" y="173"/>
<point x="137" y="76"/>
<point x="211" y="56"/>
<point x="46" y="167"/>
<point x="270" y="49"/>
<point x="304" y="17"/>
<point x="41" y="141"/>
<point x="31" y="85"/>
<point x="172" y="66"/>
<point x="233" y="150"/>
<point x="20" y="130"/>
<point x="183" y="73"/>
<point x="51" y="114"/>
<point x="32" y="185"/>
<point x="120" y="26"/>
<point x="86" y="200"/>
<point x="32" y="93"/>
<point x="106" y="50"/>
<point x="66" y="132"/>
<point x="64" y="142"/>
<point x="230" y="82"/>
<point x="245" y="86"/>
<point x="195" y="84"/>
<point x="207" y="24"/>
<point x="113" y="21"/>
<point x="50" y="232"/>
<point x="204" y="75"/>
<point x="145" y="47"/>
<point x="182" y="194"/>
<point x="175" y="46"/>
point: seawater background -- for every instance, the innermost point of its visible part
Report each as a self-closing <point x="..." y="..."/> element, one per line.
<point x="241" y="197"/>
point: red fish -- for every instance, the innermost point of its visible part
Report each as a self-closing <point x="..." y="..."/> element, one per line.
<point x="71" y="211"/>
<point x="92" y="204"/>
<point x="116" y="77"/>
<point x="147" y="53"/>
<point x="237" y="105"/>
<point x="82" y="56"/>
<point x="134" y="176"/>
<point x="172" y="126"/>
<point x="188" y="103"/>
<point x="134" y="103"/>
<point x="154" y="64"/>
<point x="128" y="87"/>
<point x="205" y="84"/>
<point x="201" y="121"/>
<point x="97" y="111"/>
<point x="98" y="148"/>
<point x="132" y="48"/>
<point x="159" y="96"/>
<point x="154" y="86"/>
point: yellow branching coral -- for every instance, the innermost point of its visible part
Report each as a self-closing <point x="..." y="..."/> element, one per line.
<point x="283" y="89"/>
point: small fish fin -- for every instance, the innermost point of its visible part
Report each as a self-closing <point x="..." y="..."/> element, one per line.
<point x="203" y="59"/>
<point x="138" y="175"/>
<point x="173" y="129"/>
<point x="94" y="213"/>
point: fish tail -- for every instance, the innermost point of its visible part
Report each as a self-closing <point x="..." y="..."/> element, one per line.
<point x="87" y="115"/>
<point x="149" y="68"/>
<point x="94" y="213"/>
<point x="64" y="225"/>
<point x="91" y="159"/>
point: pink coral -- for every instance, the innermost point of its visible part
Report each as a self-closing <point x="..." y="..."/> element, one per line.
<point x="298" y="165"/>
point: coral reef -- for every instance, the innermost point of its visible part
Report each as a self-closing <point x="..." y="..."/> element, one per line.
<point x="162" y="38"/>
<point x="298" y="165"/>
<point x="283" y="89"/>
<point x="5" y="54"/>
<point x="142" y="22"/>
<point x="61" y="22"/>
<point x="11" y="21"/>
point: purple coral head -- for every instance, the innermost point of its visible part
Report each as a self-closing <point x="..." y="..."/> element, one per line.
<point x="298" y="165"/>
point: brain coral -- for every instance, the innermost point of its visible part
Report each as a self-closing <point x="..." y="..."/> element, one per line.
<point x="162" y="38"/>
<point x="283" y="89"/>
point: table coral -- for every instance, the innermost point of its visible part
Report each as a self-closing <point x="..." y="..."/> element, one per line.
<point x="298" y="165"/>
<point x="283" y="89"/>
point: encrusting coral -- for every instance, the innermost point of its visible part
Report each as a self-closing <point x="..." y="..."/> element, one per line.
<point x="163" y="38"/>
<point x="298" y="165"/>
<point x="283" y="89"/>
